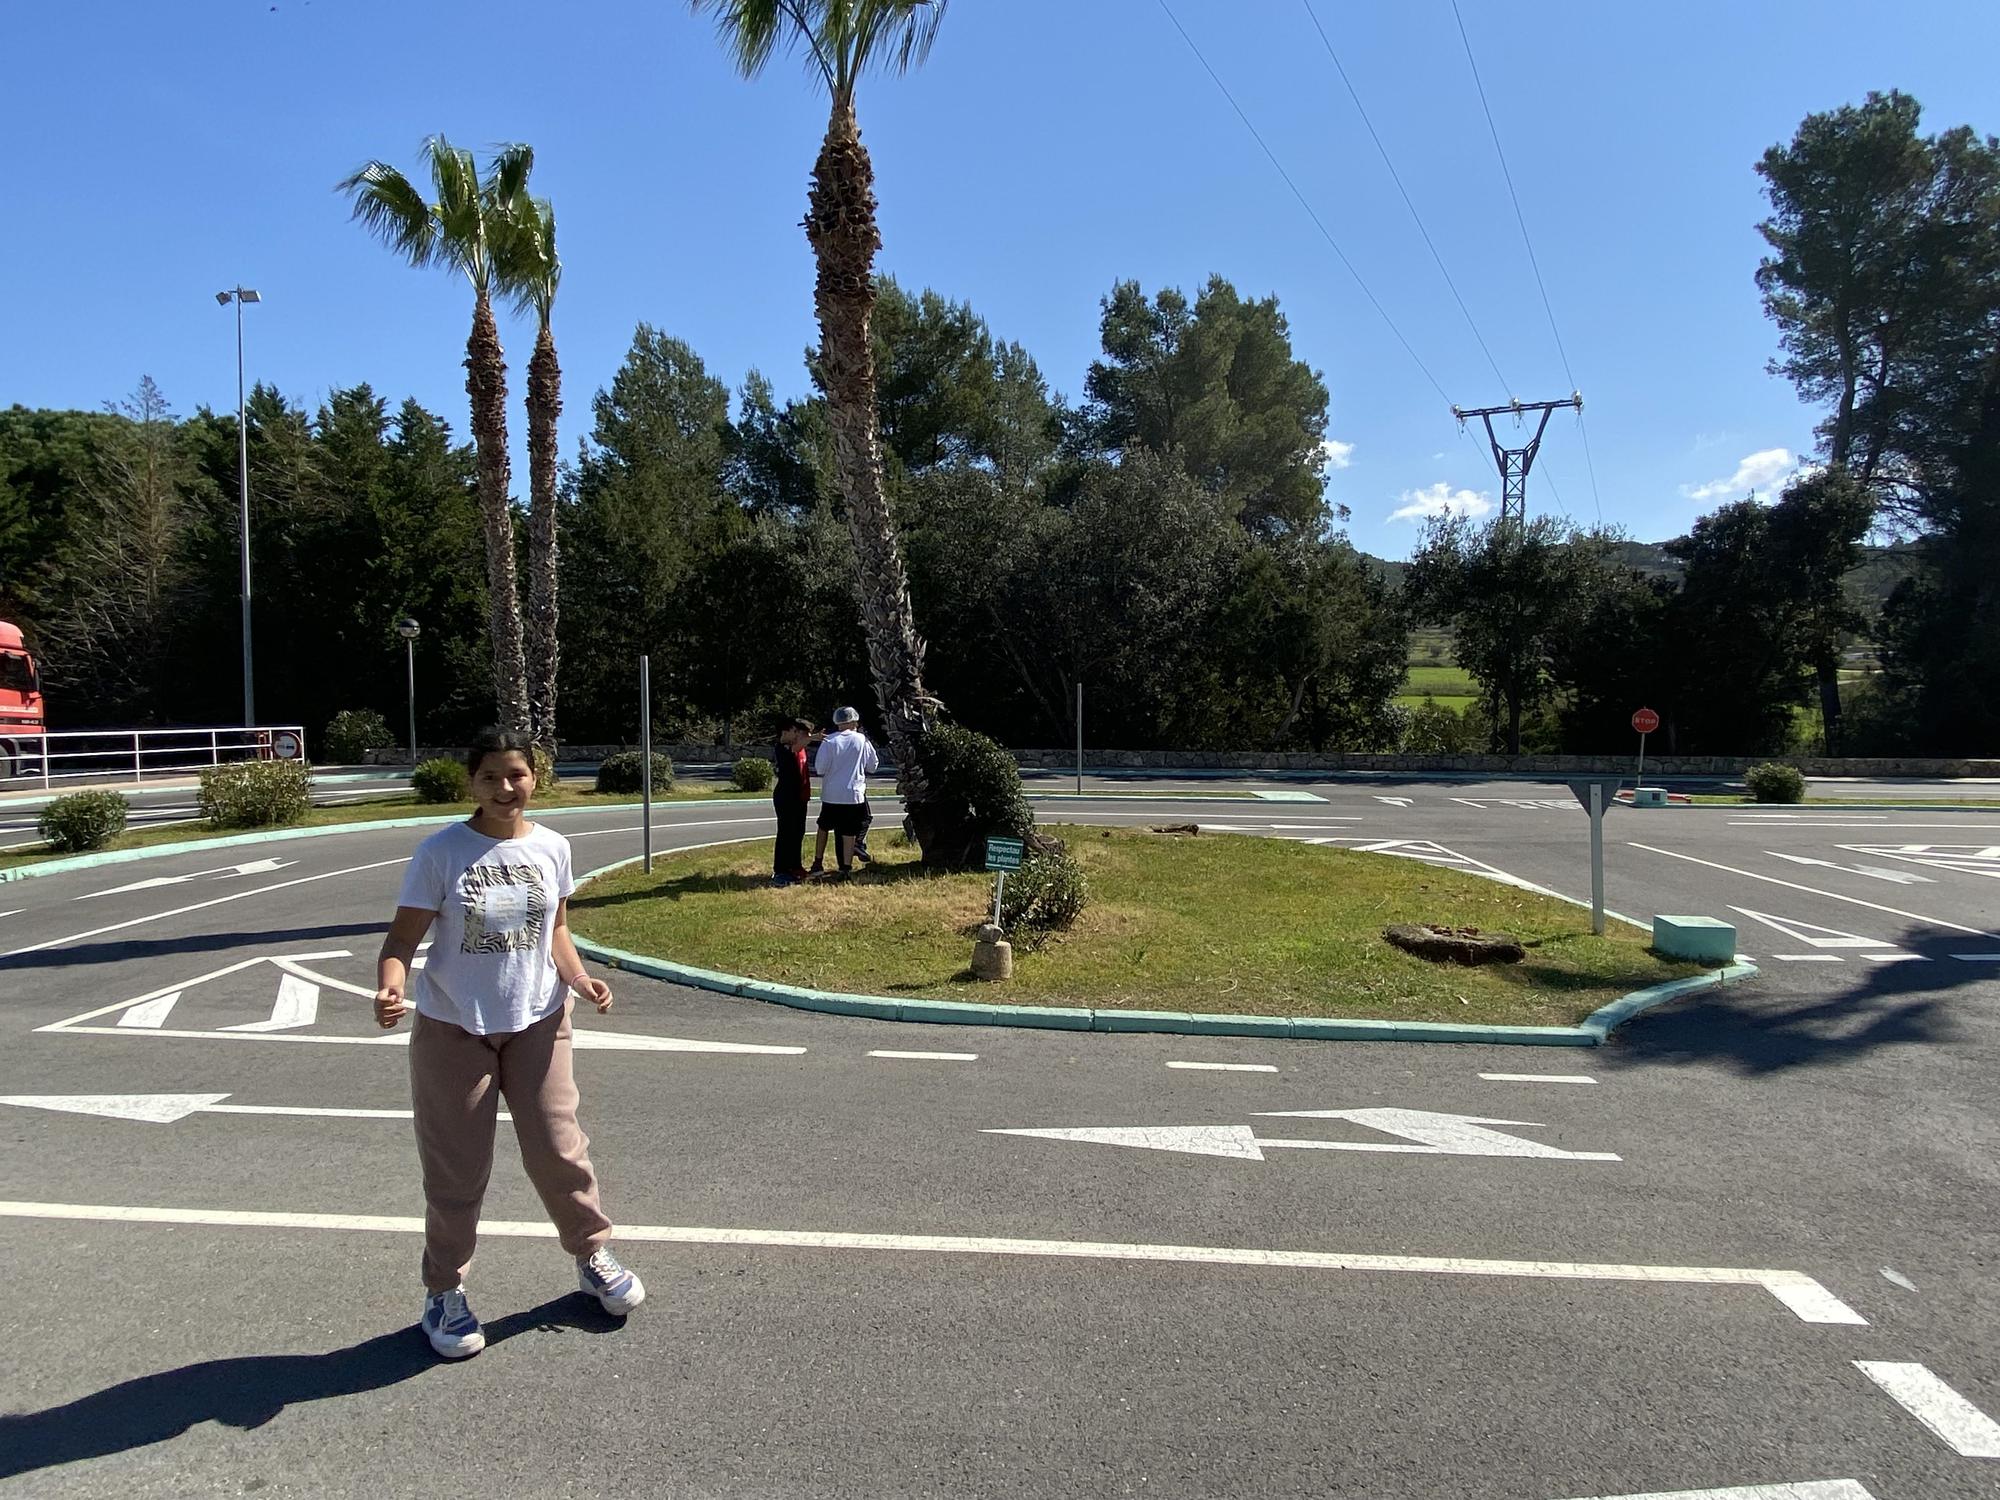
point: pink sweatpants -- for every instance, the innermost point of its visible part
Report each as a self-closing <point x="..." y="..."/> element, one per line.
<point x="456" y="1082"/>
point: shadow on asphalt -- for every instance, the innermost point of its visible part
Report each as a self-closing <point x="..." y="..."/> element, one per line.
<point x="69" y="955"/>
<point x="1889" y="1005"/>
<point x="248" y="1392"/>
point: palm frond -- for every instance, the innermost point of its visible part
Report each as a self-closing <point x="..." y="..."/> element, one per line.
<point x="525" y="263"/>
<point x="751" y="30"/>
<point x="460" y="210"/>
<point x="389" y="206"/>
<point x="507" y="172"/>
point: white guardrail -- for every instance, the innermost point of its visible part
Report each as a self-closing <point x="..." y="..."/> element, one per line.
<point x="139" y="754"/>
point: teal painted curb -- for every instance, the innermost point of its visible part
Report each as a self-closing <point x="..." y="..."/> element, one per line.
<point x="276" y="835"/>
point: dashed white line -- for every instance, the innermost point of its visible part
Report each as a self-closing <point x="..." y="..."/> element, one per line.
<point x="1216" y="1067"/>
<point x="927" y="1056"/>
<point x="1813" y="890"/>
<point x="1964" y="958"/>
<point x="1960" y="1425"/>
<point x="1895" y="958"/>
<point x="1816" y="1489"/>
<point x="1807" y="958"/>
<point x="1538" y="1078"/>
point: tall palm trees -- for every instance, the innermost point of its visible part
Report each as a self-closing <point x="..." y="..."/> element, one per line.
<point x="843" y="39"/>
<point x="461" y="226"/>
<point x="530" y="271"/>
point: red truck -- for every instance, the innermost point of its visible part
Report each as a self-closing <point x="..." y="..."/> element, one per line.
<point x="21" y="722"/>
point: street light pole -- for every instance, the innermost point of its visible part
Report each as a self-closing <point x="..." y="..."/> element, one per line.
<point x="408" y="629"/>
<point x="240" y="295"/>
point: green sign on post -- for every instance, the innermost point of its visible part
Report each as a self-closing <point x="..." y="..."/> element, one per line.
<point x="1004" y="854"/>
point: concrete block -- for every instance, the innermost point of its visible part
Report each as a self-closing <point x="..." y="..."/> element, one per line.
<point x="1702" y="940"/>
<point x="1142" y="1020"/>
<point x="1649" y="796"/>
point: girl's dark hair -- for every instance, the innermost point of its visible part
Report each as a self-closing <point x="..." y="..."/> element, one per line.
<point x="496" y="741"/>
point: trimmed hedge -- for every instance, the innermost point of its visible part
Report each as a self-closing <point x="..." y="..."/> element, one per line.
<point x="543" y="764"/>
<point x="83" y="821"/>
<point x="255" y="793"/>
<point x="1046" y="895"/>
<point x="442" y="780"/>
<point x="975" y="794"/>
<point x="753" y="775"/>
<point x="354" y="732"/>
<point x="1776" y="783"/>
<point x="621" y="773"/>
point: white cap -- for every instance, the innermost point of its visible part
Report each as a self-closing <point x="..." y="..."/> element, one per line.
<point x="847" y="715"/>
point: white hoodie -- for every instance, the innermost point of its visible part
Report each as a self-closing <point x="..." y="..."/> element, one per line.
<point x="843" y="764"/>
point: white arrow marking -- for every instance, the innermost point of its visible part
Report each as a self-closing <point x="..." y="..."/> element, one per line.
<point x="1803" y="932"/>
<point x="1456" y="1135"/>
<point x="1895" y="877"/>
<point x="1817" y="1489"/>
<point x="1967" y="859"/>
<point x="297" y="1005"/>
<point x="253" y="867"/>
<point x="165" y="1109"/>
<point x="1963" y="1427"/>
<point x="150" y="1013"/>
<point x="1395" y="801"/>
<point x="1197" y="1140"/>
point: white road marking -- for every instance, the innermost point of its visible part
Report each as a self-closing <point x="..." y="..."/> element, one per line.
<point x="583" y="1041"/>
<point x="181" y="911"/>
<point x="1977" y="958"/>
<point x="1814" y="1489"/>
<point x="297" y="1005"/>
<point x="1807" y="958"/>
<point x="1753" y="823"/>
<point x="1965" y="859"/>
<point x="1810" y="933"/>
<point x="1895" y="958"/>
<point x="165" y="1109"/>
<point x="1538" y="1078"/>
<point x="1962" y="1427"/>
<point x="1215" y="1067"/>
<point x="151" y="1014"/>
<point x="253" y="867"/>
<point x="1897" y="1278"/>
<point x="14" y="913"/>
<point x="927" y="1056"/>
<point x="1805" y="1297"/>
<point x="1423" y="1133"/>
<point x="1816" y="891"/>
<point x="1396" y="801"/>
<point x="186" y="984"/>
<point x="1459" y="1135"/>
<point x="1894" y="877"/>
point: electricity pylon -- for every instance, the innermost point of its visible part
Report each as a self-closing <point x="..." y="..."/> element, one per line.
<point x="1515" y="462"/>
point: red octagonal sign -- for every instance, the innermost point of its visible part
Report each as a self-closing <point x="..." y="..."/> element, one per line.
<point x="1645" y="721"/>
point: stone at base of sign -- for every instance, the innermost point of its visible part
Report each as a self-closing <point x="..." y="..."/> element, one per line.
<point x="1701" y="940"/>
<point x="1649" y="796"/>
<point x="992" y="955"/>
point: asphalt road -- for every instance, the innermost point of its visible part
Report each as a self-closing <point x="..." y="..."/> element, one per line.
<point x="859" y="1288"/>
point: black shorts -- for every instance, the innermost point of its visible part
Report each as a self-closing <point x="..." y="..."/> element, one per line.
<point x="844" y="818"/>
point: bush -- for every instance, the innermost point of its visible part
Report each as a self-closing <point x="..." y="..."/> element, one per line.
<point x="354" y="732"/>
<point x="975" y="790"/>
<point x="255" y="793"/>
<point x="753" y="775"/>
<point x="1046" y="895"/>
<point x="83" y="821"/>
<point x="621" y="773"/>
<point x="1776" y="783"/>
<point x="543" y="764"/>
<point x="442" y="780"/>
<point x="1435" y="730"/>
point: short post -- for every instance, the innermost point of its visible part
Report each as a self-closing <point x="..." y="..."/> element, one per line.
<point x="214" y="749"/>
<point x="138" y="762"/>
<point x="1079" y="736"/>
<point x="1597" y="858"/>
<point x="646" y="759"/>
<point x="999" y="890"/>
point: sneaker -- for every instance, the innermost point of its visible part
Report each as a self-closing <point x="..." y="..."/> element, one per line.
<point x="616" y="1289"/>
<point x="863" y="855"/>
<point x="818" y="868"/>
<point x="780" y="882"/>
<point x="450" y="1326"/>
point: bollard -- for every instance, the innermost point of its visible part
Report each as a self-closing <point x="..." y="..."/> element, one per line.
<point x="992" y="955"/>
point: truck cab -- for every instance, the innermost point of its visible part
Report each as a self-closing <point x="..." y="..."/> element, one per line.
<point x="21" y="712"/>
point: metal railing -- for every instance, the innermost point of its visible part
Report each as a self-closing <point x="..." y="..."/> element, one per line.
<point x="137" y="754"/>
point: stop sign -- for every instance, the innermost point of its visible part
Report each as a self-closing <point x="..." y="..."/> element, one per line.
<point x="1645" y="721"/>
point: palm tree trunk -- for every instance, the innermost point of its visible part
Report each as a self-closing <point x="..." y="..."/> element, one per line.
<point x="840" y="223"/>
<point x="486" y="384"/>
<point x="544" y="406"/>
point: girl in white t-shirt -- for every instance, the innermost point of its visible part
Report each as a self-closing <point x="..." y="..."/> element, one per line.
<point x="492" y="1004"/>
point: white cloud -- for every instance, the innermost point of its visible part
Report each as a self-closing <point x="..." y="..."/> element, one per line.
<point x="1765" y="470"/>
<point x="1339" y="455"/>
<point x="1441" y="499"/>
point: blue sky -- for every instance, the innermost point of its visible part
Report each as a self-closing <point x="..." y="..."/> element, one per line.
<point x="1050" y="147"/>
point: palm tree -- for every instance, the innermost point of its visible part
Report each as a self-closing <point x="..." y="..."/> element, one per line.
<point x="842" y="39"/>
<point x="459" y="227"/>
<point x="530" y="272"/>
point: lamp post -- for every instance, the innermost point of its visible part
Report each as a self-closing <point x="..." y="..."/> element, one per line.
<point x="240" y="295"/>
<point x="409" y="630"/>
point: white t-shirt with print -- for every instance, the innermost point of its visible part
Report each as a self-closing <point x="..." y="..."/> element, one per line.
<point x="489" y="967"/>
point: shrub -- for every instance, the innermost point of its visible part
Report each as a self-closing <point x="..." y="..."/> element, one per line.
<point x="753" y="775"/>
<point x="543" y="764"/>
<point x="975" y="787"/>
<point x="442" y="780"/>
<point x="1435" y="730"/>
<point x="354" y="732"/>
<point x="621" y="772"/>
<point x="255" y="793"/>
<point x="83" y="821"/>
<point x="1776" y="783"/>
<point x="1046" y="895"/>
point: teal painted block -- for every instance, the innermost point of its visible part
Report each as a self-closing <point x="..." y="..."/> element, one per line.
<point x="1144" y="1020"/>
<point x="1650" y="796"/>
<point x="1702" y="940"/>
<point x="874" y="1008"/>
<point x="1043" y="1017"/>
<point x="1343" y="1031"/>
<point x="946" y="1013"/>
<point x="1200" y="1024"/>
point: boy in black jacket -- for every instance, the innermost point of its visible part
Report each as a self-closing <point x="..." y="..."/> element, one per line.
<point x="791" y="796"/>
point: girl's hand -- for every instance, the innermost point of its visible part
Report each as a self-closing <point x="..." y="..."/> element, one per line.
<point x="389" y="1006"/>
<point x="596" y="991"/>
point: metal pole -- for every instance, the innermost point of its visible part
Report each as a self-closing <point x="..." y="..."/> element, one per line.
<point x="1079" y="736"/>
<point x="243" y="518"/>
<point x="1597" y="858"/>
<point x="1642" y="762"/>
<point x="138" y="761"/>
<point x="411" y="651"/>
<point x="999" y="889"/>
<point x="646" y="757"/>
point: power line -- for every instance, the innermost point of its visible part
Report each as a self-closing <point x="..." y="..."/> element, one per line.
<point x="1325" y="233"/>
<point x="1396" y="177"/>
<point x="1533" y="263"/>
